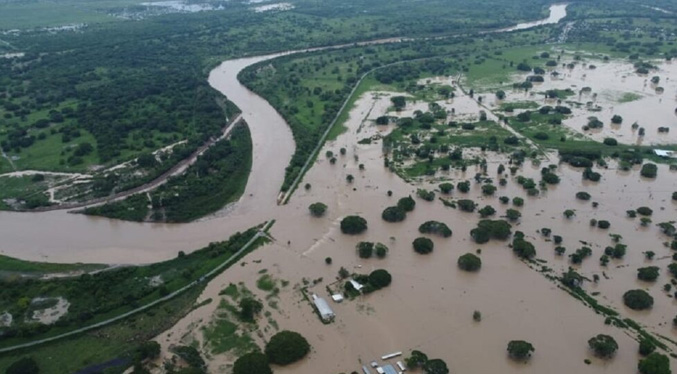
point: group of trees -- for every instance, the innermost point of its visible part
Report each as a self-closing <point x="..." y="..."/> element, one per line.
<point x="283" y="348"/>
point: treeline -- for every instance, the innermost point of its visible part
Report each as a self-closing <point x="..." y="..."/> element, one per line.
<point x="95" y="297"/>
<point x="217" y="177"/>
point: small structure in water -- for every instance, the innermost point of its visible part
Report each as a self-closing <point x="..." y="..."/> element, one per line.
<point x="323" y="308"/>
<point x="337" y="297"/>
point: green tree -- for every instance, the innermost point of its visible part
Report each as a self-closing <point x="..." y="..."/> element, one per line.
<point x="490" y="229"/>
<point x="435" y="227"/>
<point x="469" y="262"/>
<point x="603" y="345"/>
<point x="435" y="366"/>
<point x="353" y="225"/>
<point x="317" y="209"/>
<point x="380" y="278"/>
<point x="654" y="363"/>
<point x="649" y="170"/>
<point x="523" y="248"/>
<point x="520" y="349"/>
<point x="252" y="363"/>
<point x="406" y="203"/>
<point x="637" y="300"/>
<point x="423" y="245"/>
<point x="249" y="308"/>
<point x="393" y="214"/>
<point x="416" y="360"/>
<point x="649" y="273"/>
<point x="365" y="249"/>
<point x="286" y="347"/>
<point x="646" y="346"/>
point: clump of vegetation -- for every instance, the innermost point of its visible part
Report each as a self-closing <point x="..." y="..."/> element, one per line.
<point x="24" y="365"/>
<point x="406" y="203"/>
<point x="517" y="201"/>
<point x="520" y="349"/>
<point x="523" y="248"/>
<point x="648" y="274"/>
<point x="604" y="346"/>
<point x="469" y="262"/>
<point x="490" y="229"/>
<point x="637" y="300"/>
<point x="425" y="194"/>
<point x="286" y="347"/>
<point x="582" y="195"/>
<point x="649" y="170"/>
<point x="435" y="227"/>
<point x="487" y="211"/>
<point x="423" y="245"/>
<point x="252" y="363"/>
<point x="353" y="225"/>
<point x="644" y="211"/>
<point x="317" y="209"/>
<point x="446" y="188"/>
<point x="654" y="363"/>
<point x="646" y="346"/>
<point x="249" y="308"/>
<point x="393" y="214"/>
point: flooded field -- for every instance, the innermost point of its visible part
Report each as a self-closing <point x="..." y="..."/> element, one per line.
<point x="430" y="303"/>
<point x="606" y="88"/>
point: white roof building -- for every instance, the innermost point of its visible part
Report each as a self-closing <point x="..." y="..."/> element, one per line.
<point x="337" y="297"/>
<point x="323" y="308"/>
<point x="356" y="285"/>
<point x="663" y="153"/>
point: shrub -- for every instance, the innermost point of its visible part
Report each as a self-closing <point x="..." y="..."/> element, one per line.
<point x="583" y="195"/>
<point x="381" y="250"/>
<point x="517" y="201"/>
<point x="425" y="194"/>
<point x="435" y="227"/>
<point x="649" y="170"/>
<point x="469" y="262"/>
<point x="523" y="248"/>
<point x="603" y="345"/>
<point x="602" y="224"/>
<point x="286" y="347"/>
<point x="353" y="225"/>
<point x="490" y="229"/>
<point x="649" y="273"/>
<point x="520" y="349"/>
<point x="646" y="347"/>
<point x="393" y="214"/>
<point x="317" y="209"/>
<point x="423" y="245"/>
<point x="654" y="363"/>
<point x="249" y="308"/>
<point x="446" y="188"/>
<point x="513" y="215"/>
<point x="637" y="300"/>
<point x="406" y="203"/>
<point x="488" y="189"/>
<point x="610" y="142"/>
<point x="487" y="211"/>
<point x="463" y="186"/>
<point x="616" y="119"/>
<point x="645" y="211"/>
<point x="466" y="205"/>
<point x="380" y="278"/>
<point x="365" y="249"/>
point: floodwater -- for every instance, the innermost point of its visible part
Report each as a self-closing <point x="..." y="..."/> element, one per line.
<point x="430" y="303"/>
<point x="612" y="84"/>
<point x="557" y="13"/>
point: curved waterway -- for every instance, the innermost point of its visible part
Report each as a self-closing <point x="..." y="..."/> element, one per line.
<point x="57" y="236"/>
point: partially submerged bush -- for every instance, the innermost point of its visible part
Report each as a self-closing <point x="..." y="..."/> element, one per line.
<point x="353" y="225"/>
<point x="469" y="262"/>
<point x="423" y="245"/>
<point x="637" y="300"/>
<point x="435" y="227"/>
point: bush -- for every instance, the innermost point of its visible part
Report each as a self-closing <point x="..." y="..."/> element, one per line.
<point x="520" y="349"/>
<point x="616" y="119"/>
<point x="469" y="262"/>
<point x="435" y="227"/>
<point x="513" y="215"/>
<point x="423" y="245"/>
<point x="654" y="363"/>
<point x="487" y="211"/>
<point x="286" y="347"/>
<point x="463" y="186"/>
<point x="365" y="249"/>
<point x="603" y="345"/>
<point x="249" y="308"/>
<point x="517" y="201"/>
<point x="425" y="194"/>
<point x="523" y="248"/>
<point x="490" y="229"/>
<point x="649" y="273"/>
<point x="488" y="189"/>
<point x="353" y="225"/>
<point x="466" y="205"/>
<point x="317" y="209"/>
<point x="645" y="211"/>
<point x="252" y="363"/>
<point x="610" y="141"/>
<point x="381" y="250"/>
<point x="602" y="224"/>
<point x="649" y="170"/>
<point x="393" y="214"/>
<point x="637" y="300"/>
<point x="24" y="365"/>
<point x="446" y="188"/>
<point x="380" y="278"/>
<point x="583" y="195"/>
<point x="646" y="347"/>
<point x="406" y="203"/>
